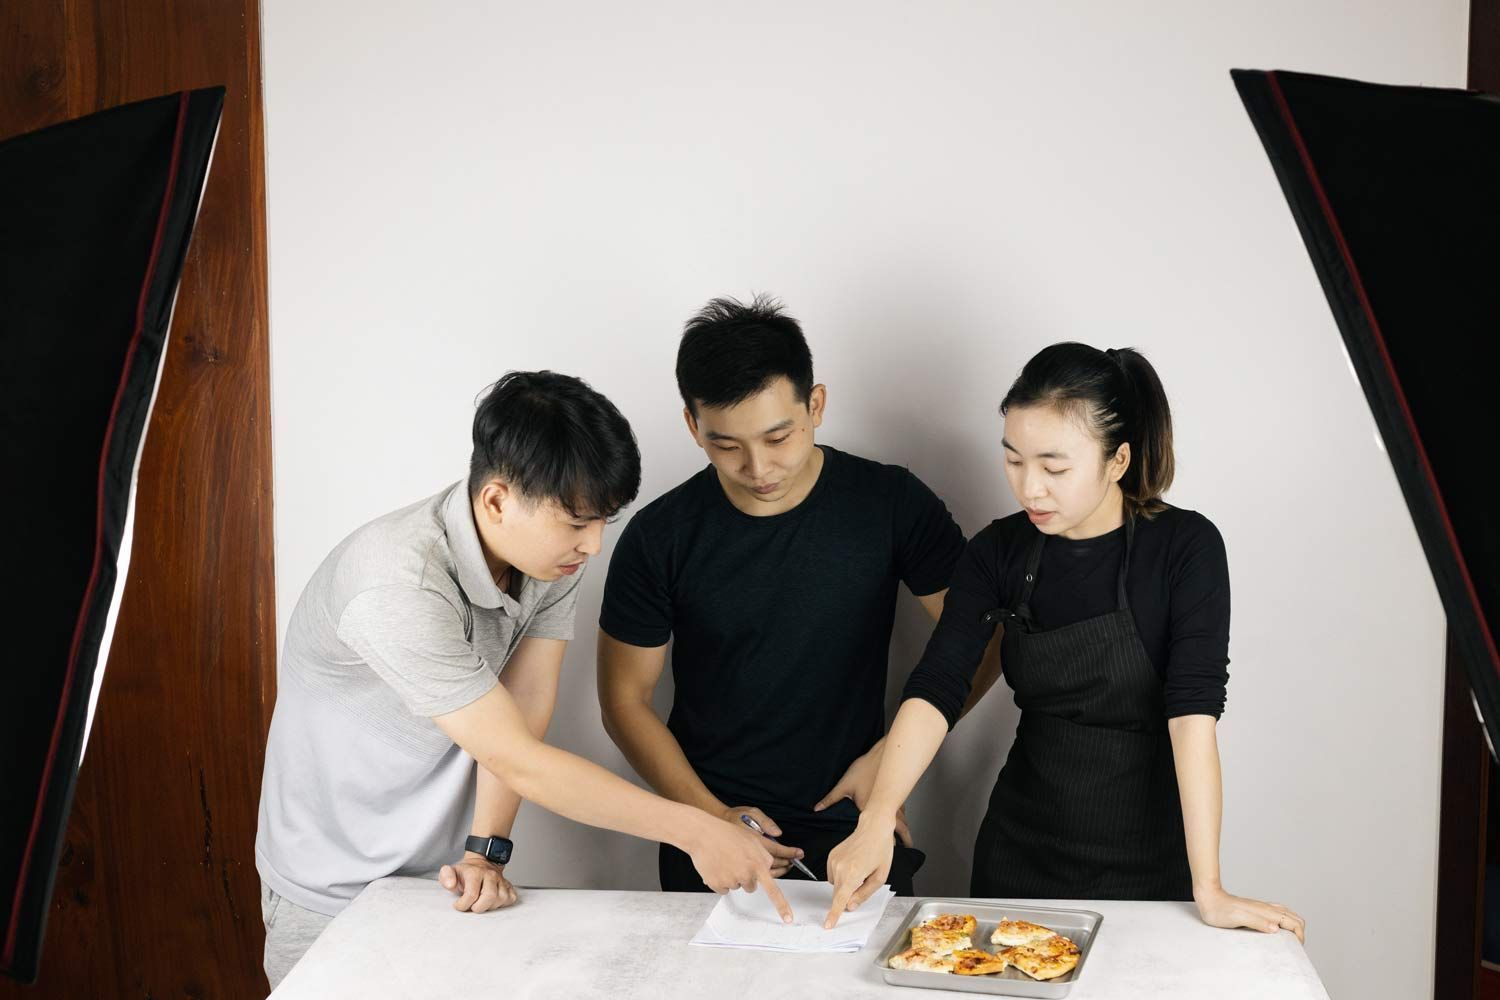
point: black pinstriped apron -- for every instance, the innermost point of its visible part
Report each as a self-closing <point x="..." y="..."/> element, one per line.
<point x="1086" y="805"/>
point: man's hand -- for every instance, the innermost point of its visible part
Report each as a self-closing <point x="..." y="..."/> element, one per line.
<point x="857" y="783"/>
<point x="479" y="885"/>
<point x="781" y="854"/>
<point x="731" y="856"/>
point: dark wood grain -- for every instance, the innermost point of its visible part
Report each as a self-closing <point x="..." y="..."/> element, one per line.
<point x="157" y="894"/>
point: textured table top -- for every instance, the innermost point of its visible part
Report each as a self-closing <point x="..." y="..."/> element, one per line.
<point x="401" y="938"/>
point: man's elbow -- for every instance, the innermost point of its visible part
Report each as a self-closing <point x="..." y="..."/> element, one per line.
<point x="611" y="715"/>
<point x="519" y="769"/>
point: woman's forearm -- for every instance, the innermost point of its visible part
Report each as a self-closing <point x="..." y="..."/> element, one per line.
<point x="914" y="739"/>
<point x="1195" y="747"/>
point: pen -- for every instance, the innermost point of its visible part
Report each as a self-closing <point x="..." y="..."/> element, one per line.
<point x="796" y="862"/>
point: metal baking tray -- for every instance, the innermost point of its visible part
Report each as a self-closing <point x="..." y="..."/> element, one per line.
<point x="1080" y="925"/>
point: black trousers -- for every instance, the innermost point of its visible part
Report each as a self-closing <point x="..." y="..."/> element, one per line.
<point x="678" y="874"/>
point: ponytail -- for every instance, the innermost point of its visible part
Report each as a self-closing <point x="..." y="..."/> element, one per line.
<point x="1122" y="401"/>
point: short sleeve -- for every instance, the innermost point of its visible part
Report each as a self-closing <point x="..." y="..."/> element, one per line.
<point x="414" y="640"/>
<point x="928" y="540"/>
<point x="1197" y="673"/>
<point x="555" y="615"/>
<point x="637" y="602"/>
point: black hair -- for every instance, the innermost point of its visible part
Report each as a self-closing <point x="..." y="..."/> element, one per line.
<point x="1121" y="400"/>
<point x="730" y="351"/>
<point x="554" y="438"/>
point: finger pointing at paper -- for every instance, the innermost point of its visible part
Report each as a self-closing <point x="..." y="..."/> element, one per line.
<point x="859" y="866"/>
<point x="774" y="894"/>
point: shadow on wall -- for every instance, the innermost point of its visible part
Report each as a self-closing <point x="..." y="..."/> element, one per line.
<point x="956" y="452"/>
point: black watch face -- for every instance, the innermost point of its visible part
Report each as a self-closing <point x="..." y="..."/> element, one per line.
<point x="496" y="850"/>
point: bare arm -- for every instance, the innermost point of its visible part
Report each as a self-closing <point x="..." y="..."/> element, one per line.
<point x="493" y="730"/>
<point x="1195" y="748"/>
<point x="859" y="779"/>
<point x="859" y="865"/>
<point x="628" y="676"/>
<point x="531" y="677"/>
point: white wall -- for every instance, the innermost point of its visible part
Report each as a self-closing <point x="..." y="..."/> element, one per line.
<point x="937" y="191"/>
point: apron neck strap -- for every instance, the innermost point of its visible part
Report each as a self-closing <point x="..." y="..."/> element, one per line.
<point x="1034" y="561"/>
<point x="1125" y="562"/>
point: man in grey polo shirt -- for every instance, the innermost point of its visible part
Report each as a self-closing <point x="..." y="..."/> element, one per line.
<point x="390" y="684"/>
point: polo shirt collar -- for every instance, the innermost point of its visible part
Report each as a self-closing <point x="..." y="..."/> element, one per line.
<point x="468" y="554"/>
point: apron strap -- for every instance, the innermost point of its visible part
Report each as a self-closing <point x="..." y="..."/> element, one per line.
<point x="1022" y="609"/>
<point x="1033" y="561"/>
<point x="1125" y="562"/>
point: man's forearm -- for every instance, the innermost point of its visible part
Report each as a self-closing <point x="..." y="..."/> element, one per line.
<point x="495" y="803"/>
<point x="579" y="790"/>
<point x="494" y="733"/>
<point x="495" y="806"/>
<point x="986" y="675"/>
<point x="657" y="756"/>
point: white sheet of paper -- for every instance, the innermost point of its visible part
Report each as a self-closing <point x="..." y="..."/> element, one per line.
<point x="748" y="920"/>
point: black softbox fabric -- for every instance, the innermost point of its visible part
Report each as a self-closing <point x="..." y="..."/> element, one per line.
<point x="1397" y="193"/>
<point x="95" y="217"/>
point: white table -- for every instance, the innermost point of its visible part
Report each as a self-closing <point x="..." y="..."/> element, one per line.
<point x="401" y="938"/>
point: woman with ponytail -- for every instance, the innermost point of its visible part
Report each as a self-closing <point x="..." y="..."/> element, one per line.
<point x="1113" y="608"/>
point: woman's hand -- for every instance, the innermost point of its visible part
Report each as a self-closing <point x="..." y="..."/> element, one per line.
<point x="1219" y="909"/>
<point x="859" y="865"/>
<point x="857" y="783"/>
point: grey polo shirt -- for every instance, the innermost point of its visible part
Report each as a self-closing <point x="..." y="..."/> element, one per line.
<point x="400" y="623"/>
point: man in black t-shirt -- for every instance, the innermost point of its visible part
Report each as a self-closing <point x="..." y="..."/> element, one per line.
<point x="775" y="569"/>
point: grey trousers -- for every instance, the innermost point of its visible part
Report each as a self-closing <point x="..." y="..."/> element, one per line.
<point x="290" y="931"/>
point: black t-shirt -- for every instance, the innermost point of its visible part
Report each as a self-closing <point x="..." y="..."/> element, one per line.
<point x="782" y="624"/>
<point x="1178" y="589"/>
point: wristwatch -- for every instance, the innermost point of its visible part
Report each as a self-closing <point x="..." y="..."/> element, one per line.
<point x="495" y="850"/>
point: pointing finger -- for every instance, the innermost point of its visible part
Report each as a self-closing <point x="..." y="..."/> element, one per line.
<point x="773" y="893"/>
<point x="841" y="896"/>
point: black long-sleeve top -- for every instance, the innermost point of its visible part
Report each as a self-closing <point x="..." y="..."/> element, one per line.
<point x="1178" y="589"/>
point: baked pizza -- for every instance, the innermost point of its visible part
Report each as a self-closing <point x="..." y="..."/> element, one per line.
<point x="917" y="960"/>
<point x="1014" y="932"/>
<point x="945" y="933"/>
<point x="1038" y="965"/>
<point x="972" y="962"/>
<point x="1055" y="946"/>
